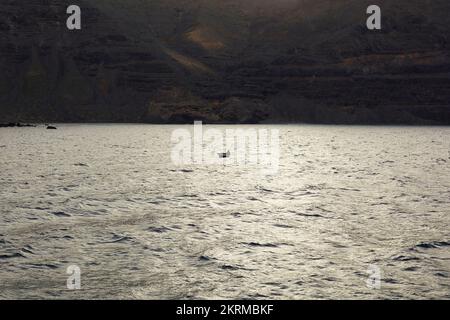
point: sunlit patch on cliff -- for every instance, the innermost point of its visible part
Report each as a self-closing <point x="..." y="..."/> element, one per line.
<point x="205" y="38"/>
<point x="189" y="63"/>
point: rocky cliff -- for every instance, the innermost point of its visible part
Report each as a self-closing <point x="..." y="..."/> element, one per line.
<point x="225" y="61"/>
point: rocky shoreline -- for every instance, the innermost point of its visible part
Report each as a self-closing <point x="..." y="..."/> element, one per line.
<point x="17" y="125"/>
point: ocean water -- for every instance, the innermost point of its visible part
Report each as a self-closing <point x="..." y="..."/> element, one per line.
<point x="347" y="204"/>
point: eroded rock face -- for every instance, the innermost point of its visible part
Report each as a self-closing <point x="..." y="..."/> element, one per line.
<point x="225" y="62"/>
<point x="52" y="74"/>
<point x="178" y="105"/>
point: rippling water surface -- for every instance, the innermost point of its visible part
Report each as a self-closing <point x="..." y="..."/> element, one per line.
<point x="108" y="199"/>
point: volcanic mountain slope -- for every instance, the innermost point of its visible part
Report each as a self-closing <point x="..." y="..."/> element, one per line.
<point x="226" y="61"/>
<point x="97" y="74"/>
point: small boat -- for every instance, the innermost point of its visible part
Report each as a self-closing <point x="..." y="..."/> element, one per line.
<point x="51" y="128"/>
<point x="225" y="155"/>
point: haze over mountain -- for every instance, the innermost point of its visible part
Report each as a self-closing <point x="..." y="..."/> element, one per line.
<point x="225" y="61"/>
